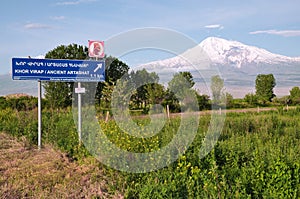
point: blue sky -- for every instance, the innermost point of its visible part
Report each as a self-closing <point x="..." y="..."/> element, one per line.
<point x="34" y="27"/>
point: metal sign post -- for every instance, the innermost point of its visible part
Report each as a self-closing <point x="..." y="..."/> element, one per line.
<point x="79" y="90"/>
<point x="39" y="114"/>
<point x="79" y="113"/>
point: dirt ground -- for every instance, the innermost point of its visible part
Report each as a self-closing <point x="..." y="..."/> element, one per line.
<point x="47" y="173"/>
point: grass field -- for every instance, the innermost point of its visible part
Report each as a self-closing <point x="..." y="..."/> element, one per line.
<point x="256" y="156"/>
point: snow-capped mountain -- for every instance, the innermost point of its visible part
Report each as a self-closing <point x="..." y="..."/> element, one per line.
<point x="225" y="53"/>
<point x="237" y="63"/>
<point x="237" y="54"/>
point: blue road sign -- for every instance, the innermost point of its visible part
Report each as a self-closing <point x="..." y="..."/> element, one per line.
<point x="58" y="70"/>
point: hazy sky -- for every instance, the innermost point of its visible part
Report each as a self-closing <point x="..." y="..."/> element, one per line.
<point x="34" y="27"/>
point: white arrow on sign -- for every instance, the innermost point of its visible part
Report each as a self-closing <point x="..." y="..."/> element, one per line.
<point x="99" y="66"/>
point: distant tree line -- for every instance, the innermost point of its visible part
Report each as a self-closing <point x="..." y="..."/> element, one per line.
<point x="20" y="103"/>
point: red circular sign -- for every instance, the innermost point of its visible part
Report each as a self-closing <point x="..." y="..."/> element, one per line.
<point x="96" y="49"/>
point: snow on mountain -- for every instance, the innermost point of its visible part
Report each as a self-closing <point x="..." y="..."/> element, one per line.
<point x="194" y="57"/>
<point x="222" y="52"/>
<point x="237" y="54"/>
<point x="237" y="63"/>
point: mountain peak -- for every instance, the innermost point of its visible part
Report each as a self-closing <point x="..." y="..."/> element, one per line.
<point x="237" y="54"/>
<point x="219" y="40"/>
<point x="222" y="52"/>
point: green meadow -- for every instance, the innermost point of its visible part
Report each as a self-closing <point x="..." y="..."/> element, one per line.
<point x="257" y="155"/>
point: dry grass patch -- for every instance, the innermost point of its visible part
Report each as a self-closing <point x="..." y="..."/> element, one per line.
<point x="27" y="172"/>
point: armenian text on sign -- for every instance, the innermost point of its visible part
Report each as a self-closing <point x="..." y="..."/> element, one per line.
<point x="58" y="70"/>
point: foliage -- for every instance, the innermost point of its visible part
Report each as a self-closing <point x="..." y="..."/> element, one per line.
<point x="172" y="101"/>
<point x="181" y="83"/>
<point x="114" y="70"/>
<point x="155" y="93"/>
<point x="251" y="99"/>
<point x="257" y="155"/>
<point x="238" y="103"/>
<point x="19" y="123"/>
<point x="145" y="91"/>
<point x="22" y="103"/>
<point x="264" y="85"/>
<point x="3" y="103"/>
<point x="146" y="88"/>
<point x="188" y="78"/>
<point x="228" y="100"/>
<point x="203" y="102"/>
<point x="281" y="101"/>
<point x="217" y="87"/>
<point x="180" y="94"/>
<point x="59" y="94"/>
<point x="105" y="100"/>
<point x="295" y="95"/>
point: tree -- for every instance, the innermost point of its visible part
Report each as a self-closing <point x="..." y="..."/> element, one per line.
<point x="180" y="83"/>
<point x="146" y="87"/>
<point x="114" y="70"/>
<point x="229" y="100"/>
<point x="264" y="85"/>
<point x="188" y="77"/>
<point x="295" y="95"/>
<point x="203" y="102"/>
<point x="155" y="93"/>
<point x="59" y="94"/>
<point x="172" y="101"/>
<point x="106" y="94"/>
<point x="217" y="87"/>
<point x="251" y="99"/>
<point x="180" y="88"/>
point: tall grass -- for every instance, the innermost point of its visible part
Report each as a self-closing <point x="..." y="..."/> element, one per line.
<point x="257" y="155"/>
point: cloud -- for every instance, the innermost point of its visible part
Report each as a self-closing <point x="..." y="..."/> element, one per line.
<point x="284" y="33"/>
<point x="58" y="18"/>
<point x="68" y="3"/>
<point x="214" y="26"/>
<point x="37" y="26"/>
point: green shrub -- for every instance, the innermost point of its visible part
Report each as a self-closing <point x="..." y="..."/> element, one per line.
<point x="257" y="155"/>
